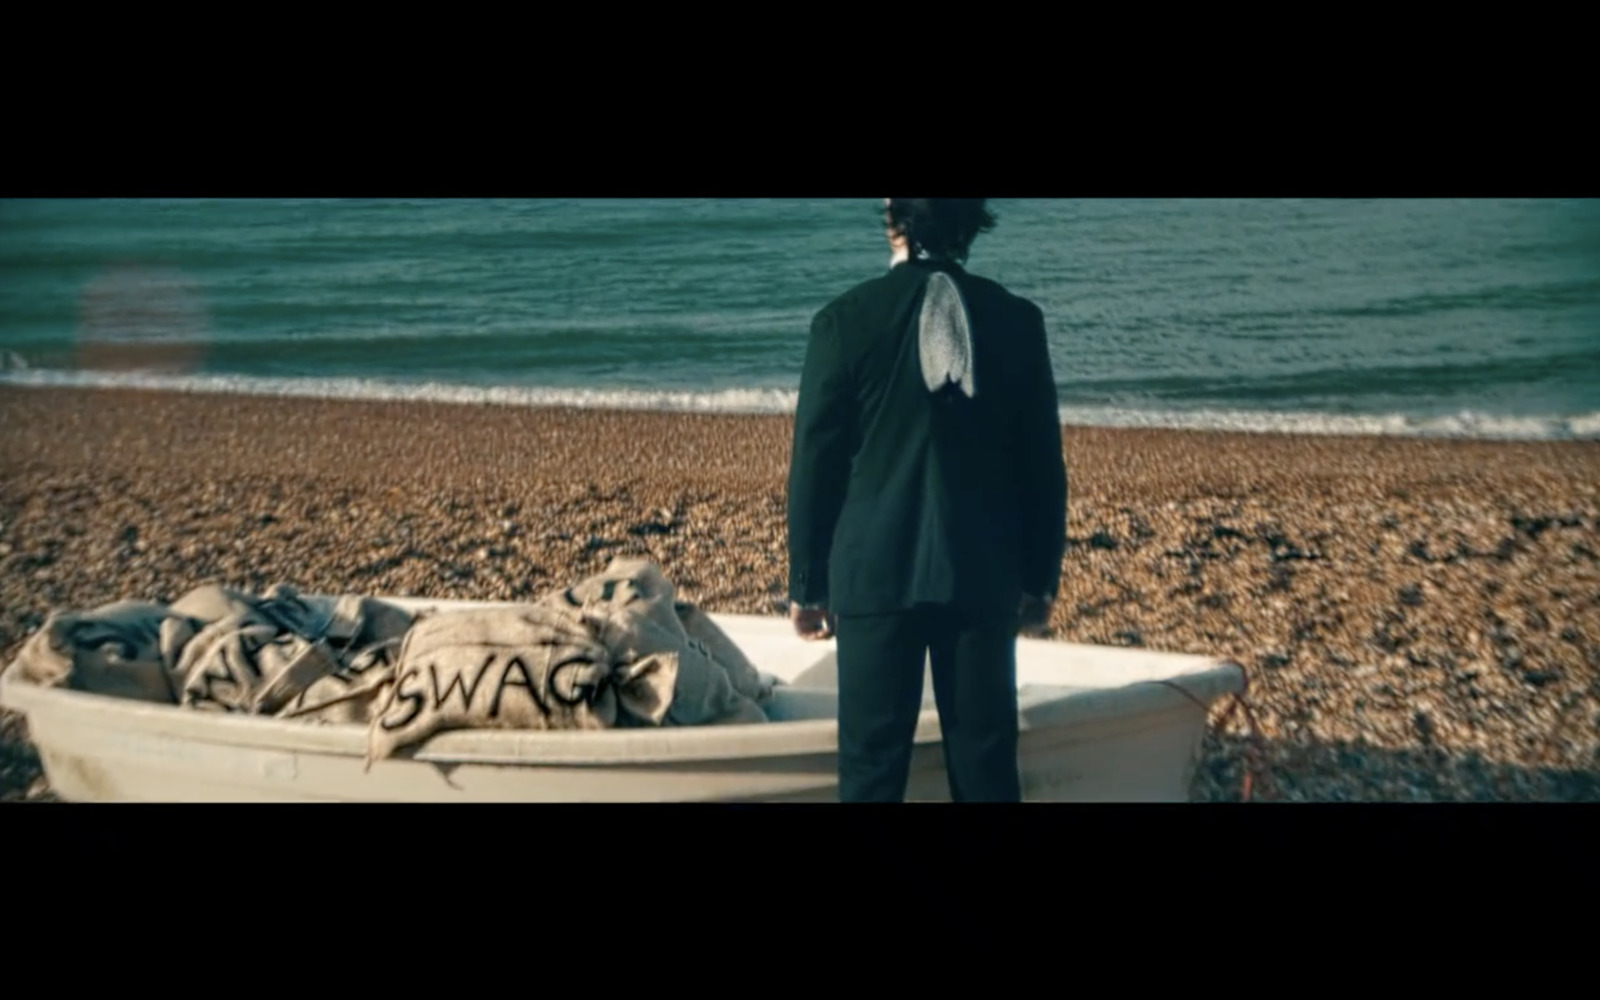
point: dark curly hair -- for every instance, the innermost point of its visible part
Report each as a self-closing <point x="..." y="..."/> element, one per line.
<point x="944" y="227"/>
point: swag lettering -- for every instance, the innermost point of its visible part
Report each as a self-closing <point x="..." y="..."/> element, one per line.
<point x="502" y="683"/>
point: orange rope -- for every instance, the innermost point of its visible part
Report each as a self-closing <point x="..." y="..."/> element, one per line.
<point x="1253" y="763"/>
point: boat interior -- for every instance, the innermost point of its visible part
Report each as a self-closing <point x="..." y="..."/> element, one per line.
<point x="813" y="693"/>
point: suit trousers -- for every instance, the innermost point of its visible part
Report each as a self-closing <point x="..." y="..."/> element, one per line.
<point x="974" y="665"/>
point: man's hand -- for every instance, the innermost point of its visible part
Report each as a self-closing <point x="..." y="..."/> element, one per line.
<point x="1033" y="616"/>
<point x="811" y="624"/>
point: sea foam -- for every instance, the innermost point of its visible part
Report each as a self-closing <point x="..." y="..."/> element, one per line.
<point x="1468" y="425"/>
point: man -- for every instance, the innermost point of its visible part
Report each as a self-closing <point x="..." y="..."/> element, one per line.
<point x="927" y="503"/>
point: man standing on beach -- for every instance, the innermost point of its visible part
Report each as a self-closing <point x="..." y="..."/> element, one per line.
<point x="927" y="503"/>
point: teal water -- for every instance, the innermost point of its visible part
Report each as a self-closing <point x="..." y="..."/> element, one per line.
<point x="1465" y="317"/>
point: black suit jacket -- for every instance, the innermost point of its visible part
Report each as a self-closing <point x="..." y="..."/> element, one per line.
<point x="898" y="496"/>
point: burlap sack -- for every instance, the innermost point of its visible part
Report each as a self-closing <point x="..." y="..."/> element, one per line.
<point x="743" y="674"/>
<point x="244" y="663"/>
<point x="365" y="634"/>
<point x="349" y="622"/>
<point x="264" y="655"/>
<point x="636" y="608"/>
<point x="350" y="693"/>
<point x="530" y="666"/>
<point x="127" y="649"/>
<point x="212" y="602"/>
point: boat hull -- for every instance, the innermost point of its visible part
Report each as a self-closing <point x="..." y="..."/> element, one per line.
<point x="1130" y="733"/>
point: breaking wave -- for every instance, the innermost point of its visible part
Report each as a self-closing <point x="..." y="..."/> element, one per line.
<point x="1469" y="425"/>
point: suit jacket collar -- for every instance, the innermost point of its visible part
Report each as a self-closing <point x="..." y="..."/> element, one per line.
<point x="928" y="264"/>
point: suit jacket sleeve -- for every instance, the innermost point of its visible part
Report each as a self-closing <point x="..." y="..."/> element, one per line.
<point x="1041" y="467"/>
<point x="819" y="466"/>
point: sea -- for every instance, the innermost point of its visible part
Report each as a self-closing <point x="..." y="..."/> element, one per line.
<point x="1471" y="318"/>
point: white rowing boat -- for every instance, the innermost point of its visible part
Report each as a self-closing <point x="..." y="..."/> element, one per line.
<point x="1099" y="724"/>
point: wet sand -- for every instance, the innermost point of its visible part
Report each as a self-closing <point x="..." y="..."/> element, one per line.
<point x="1420" y="619"/>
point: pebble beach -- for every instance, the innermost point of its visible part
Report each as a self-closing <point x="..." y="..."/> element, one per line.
<point x="1419" y="618"/>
